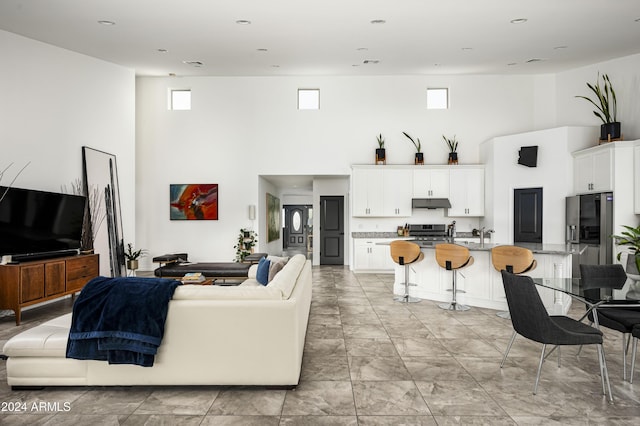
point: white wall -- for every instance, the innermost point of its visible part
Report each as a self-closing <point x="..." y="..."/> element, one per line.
<point x="53" y="102"/>
<point x="624" y="76"/>
<point x="242" y="127"/>
<point x="554" y="174"/>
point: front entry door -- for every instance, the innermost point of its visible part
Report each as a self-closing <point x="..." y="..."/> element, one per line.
<point x="295" y="225"/>
<point x="332" y="230"/>
<point x="527" y="215"/>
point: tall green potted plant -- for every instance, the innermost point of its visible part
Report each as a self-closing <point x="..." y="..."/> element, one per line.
<point x="631" y="239"/>
<point x="607" y="108"/>
<point x="381" y="154"/>
<point x="419" y="157"/>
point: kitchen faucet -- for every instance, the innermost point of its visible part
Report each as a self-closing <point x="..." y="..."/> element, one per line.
<point x="482" y="234"/>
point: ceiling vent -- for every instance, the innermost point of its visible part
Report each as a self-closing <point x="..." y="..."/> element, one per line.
<point x="193" y="63"/>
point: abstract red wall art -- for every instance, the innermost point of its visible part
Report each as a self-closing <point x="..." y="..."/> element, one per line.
<point x="194" y="201"/>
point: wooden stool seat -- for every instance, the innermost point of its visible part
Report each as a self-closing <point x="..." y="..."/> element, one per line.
<point x="405" y="253"/>
<point x="514" y="259"/>
<point x="453" y="257"/>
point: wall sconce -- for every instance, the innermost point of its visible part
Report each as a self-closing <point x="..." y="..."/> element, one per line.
<point x="252" y="212"/>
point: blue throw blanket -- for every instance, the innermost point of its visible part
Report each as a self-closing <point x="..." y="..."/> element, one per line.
<point x="120" y="320"/>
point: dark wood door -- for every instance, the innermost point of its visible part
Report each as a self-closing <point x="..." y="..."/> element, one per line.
<point x="527" y="215"/>
<point x="296" y="226"/>
<point x="332" y="230"/>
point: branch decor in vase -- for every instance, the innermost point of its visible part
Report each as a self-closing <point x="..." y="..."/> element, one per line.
<point x="606" y="108"/>
<point x="419" y="157"/>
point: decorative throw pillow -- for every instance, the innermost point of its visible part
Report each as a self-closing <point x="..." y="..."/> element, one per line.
<point x="262" y="275"/>
<point x="275" y="268"/>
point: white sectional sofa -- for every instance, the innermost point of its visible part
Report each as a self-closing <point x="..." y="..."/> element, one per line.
<point x="214" y="335"/>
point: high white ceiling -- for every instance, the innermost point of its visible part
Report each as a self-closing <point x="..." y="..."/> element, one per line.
<point x="334" y="37"/>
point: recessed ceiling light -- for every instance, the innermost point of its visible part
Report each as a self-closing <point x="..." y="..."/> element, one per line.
<point x="560" y="47"/>
<point x="518" y="21"/>
<point x="172" y="74"/>
<point x="355" y="65"/>
<point x="371" y="61"/>
<point x="243" y="22"/>
<point x="275" y="66"/>
<point x="162" y="50"/>
<point x="467" y="48"/>
<point x="262" y="50"/>
<point x="362" y="49"/>
<point x="512" y="64"/>
<point x="106" y="23"/>
<point x="529" y="61"/>
<point x="378" y="21"/>
<point x="637" y="19"/>
<point x="193" y="63"/>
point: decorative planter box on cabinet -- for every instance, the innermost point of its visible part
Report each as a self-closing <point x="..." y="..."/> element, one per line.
<point x="28" y="283"/>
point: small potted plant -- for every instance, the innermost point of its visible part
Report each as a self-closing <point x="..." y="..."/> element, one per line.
<point x="133" y="256"/>
<point x="381" y="155"/>
<point x="419" y="158"/>
<point x="247" y="240"/>
<point x="452" y="144"/>
<point x="607" y="106"/>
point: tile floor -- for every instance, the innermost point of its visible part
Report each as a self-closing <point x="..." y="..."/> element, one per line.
<point x="368" y="361"/>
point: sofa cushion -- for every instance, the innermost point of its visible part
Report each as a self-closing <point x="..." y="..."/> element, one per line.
<point x="286" y="279"/>
<point x="274" y="268"/>
<point x="216" y="292"/>
<point x="262" y="275"/>
<point x="46" y="340"/>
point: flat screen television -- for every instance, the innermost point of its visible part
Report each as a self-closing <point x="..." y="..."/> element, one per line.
<point x="39" y="224"/>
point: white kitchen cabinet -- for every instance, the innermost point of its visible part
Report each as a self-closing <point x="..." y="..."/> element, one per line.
<point x="592" y="170"/>
<point x="466" y="191"/>
<point x="369" y="256"/>
<point x="367" y="192"/>
<point x="431" y="183"/>
<point x="381" y="192"/>
<point x="396" y="192"/>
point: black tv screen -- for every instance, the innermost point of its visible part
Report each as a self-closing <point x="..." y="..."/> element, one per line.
<point x="38" y="222"/>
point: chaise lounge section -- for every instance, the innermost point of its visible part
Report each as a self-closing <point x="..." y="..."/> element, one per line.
<point x="251" y="334"/>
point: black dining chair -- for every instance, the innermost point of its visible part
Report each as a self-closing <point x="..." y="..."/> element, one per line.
<point x="530" y="319"/>
<point x="598" y="278"/>
<point x="635" y="332"/>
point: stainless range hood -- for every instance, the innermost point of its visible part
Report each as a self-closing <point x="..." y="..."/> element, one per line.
<point x="430" y="203"/>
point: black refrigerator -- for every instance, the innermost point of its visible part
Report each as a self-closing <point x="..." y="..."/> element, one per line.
<point x="589" y="227"/>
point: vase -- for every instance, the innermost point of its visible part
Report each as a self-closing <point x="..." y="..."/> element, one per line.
<point x="132" y="264"/>
<point x="419" y="158"/>
<point x="610" y="131"/>
<point x="381" y="156"/>
<point x="453" y="158"/>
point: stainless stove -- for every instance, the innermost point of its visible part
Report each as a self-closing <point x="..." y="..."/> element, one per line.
<point x="429" y="235"/>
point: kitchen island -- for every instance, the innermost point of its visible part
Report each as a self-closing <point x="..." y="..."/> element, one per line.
<point x="481" y="283"/>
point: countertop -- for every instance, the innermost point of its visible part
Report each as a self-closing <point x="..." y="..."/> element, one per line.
<point x="394" y="235"/>
<point x="562" y="249"/>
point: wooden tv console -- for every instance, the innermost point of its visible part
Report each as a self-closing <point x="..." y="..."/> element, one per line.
<point x="27" y="283"/>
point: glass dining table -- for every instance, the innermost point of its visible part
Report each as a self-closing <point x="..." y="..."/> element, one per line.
<point x="593" y="297"/>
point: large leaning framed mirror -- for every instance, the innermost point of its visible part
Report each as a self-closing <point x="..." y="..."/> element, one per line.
<point x="103" y="193"/>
